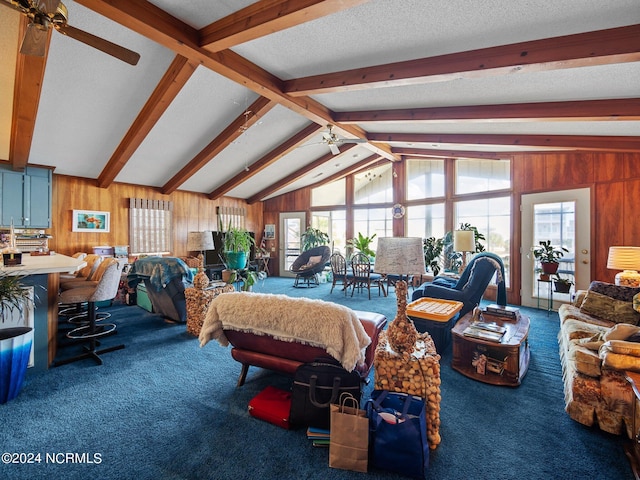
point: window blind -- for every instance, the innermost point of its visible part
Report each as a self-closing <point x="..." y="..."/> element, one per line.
<point x="150" y="226"/>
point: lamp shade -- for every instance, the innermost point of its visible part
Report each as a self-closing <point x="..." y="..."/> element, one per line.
<point x="400" y="255"/>
<point x="624" y="258"/>
<point x="464" y="241"/>
<point x="200" y="241"/>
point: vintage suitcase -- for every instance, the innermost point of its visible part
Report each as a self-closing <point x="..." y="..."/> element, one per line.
<point x="317" y="385"/>
<point x="272" y="405"/>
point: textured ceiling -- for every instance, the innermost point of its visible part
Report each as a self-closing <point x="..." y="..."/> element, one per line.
<point x="91" y="105"/>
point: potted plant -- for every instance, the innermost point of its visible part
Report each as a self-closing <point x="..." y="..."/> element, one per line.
<point x="362" y="244"/>
<point x="432" y="247"/>
<point x="15" y="342"/>
<point x="561" y="284"/>
<point x="246" y="276"/>
<point x="237" y="244"/>
<point x="548" y="255"/>
<point x="313" y="237"/>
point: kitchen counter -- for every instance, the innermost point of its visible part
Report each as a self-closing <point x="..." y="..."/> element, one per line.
<point x="43" y="273"/>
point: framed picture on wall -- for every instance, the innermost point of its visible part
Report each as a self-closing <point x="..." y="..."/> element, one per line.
<point x="270" y="231"/>
<point x="91" y="221"/>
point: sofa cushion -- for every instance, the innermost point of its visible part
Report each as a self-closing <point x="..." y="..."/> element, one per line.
<point x="609" y="308"/>
<point x="619" y="292"/>
<point x="587" y="361"/>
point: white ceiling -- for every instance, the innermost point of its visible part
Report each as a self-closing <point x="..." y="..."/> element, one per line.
<point x="90" y="100"/>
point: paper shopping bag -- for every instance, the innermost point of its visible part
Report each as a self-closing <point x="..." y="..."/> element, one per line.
<point x="349" y="440"/>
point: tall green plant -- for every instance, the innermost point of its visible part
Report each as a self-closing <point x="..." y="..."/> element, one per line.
<point x="362" y="244"/>
<point x="313" y="237"/>
<point x="237" y="240"/>
<point x="433" y="247"/>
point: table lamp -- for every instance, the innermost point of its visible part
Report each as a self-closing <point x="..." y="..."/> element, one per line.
<point x="199" y="242"/>
<point x="401" y="256"/>
<point x="626" y="259"/>
<point x="464" y="241"/>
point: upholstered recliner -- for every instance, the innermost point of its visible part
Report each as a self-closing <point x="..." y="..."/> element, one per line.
<point x="471" y="285"/>
<point x="308" y="264"/>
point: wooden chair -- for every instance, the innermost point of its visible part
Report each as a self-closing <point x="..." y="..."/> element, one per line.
<point x="339" y="271"/>
<point x="362" y="276"/>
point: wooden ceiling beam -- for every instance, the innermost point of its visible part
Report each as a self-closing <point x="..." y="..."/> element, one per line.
<point x="569" y="142"/>
<point x="232" y="132"/>
<point x="266" y="17"/>
<point x="602" y="47"/>
<point x="269" y="159"/>
<point x="152" y="22"/>
<point x="165" y="92"/>
<point x="588" y="110"/>
<point x="26" y="98"/>
<point x="433" y="153"/>
<point x="295" y="176"/>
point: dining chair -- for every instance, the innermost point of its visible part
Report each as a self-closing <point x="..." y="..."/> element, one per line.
<point x="363" y="276"/>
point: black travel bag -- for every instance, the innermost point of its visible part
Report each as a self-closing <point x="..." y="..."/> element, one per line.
<point x="317" y="385"/>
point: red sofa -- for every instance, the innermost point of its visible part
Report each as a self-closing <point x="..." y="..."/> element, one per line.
<point x="266" y="352"/>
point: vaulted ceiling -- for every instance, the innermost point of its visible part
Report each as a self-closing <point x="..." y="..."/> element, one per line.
<point x="233" y="97"/>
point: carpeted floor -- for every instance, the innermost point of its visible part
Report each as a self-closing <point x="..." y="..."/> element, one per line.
<point x="163" y="408"/>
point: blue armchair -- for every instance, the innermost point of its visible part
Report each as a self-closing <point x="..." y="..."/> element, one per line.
<point x="471" y="285"/>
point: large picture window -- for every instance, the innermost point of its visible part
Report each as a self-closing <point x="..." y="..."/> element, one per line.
<point x="333" y="193"/>
<point x="482" y="175"/>
<point x="425" y="178"/>
<point x="374" y="185"/>
<point x="335" y="224"/>
<point x="426" y="221"/>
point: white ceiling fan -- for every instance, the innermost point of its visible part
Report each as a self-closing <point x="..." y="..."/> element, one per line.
<point x="46" y="14"/>
<point x="334" y="141"/>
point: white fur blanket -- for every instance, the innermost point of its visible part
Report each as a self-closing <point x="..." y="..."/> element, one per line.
<point x="313" y="322"/>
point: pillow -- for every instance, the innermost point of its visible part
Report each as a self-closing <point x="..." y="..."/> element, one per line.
<point x="315" y="259"/>
<point x="609" y="308"/>
<point x="618" y="292"/>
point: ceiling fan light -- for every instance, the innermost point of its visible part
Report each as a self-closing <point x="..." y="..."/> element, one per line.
<point x="34" y="41"/>
<point x="48" y="6"/>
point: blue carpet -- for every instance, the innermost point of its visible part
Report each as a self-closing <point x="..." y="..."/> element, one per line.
<point x="163" y="408"/>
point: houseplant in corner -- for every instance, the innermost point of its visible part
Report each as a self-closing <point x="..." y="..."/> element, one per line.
<point x="15" y="342"/>
<point x="548" y="255"/>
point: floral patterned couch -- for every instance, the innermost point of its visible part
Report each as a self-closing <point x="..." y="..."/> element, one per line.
<point x="598" y="342"/>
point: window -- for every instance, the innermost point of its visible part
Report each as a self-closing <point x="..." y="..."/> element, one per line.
<point x="374" y="185"/>
<point x="333" y="193"/>
<point x="492" y="218"/>
<point x="373" y="220"/>
<point x="482" y="175"/>
<point x="335" y="224"/>
<point x="425" y="179"/>
<point x="425" y="221"/>
<point x="150" y="226"/>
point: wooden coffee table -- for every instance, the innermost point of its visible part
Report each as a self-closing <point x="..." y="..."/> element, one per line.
<point x="504" y="362"/>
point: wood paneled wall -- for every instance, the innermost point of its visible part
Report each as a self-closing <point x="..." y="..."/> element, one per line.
<point x="192" y="212"/>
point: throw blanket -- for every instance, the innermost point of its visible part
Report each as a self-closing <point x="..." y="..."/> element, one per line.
<point x="159" y="270"/>
<point x="313" y="322"/>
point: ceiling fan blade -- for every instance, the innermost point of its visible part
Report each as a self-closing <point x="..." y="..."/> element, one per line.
<point x="35" y="40"/>
<point x="101" y="44"/>
<point x="354" y="140"/>
<point x="334" y="148"/>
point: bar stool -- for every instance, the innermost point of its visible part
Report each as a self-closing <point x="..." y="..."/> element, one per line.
<point x="105" y="289"/>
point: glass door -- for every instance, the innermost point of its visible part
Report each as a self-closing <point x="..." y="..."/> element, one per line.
<point x="564" y="218"/>
<point x="292" y="227"/>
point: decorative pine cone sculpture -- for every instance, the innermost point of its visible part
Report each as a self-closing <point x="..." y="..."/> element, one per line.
<point x="402" y="334"/>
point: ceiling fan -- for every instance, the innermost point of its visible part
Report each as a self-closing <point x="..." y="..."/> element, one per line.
<point x="333" y="140"/>
<point x="46" y="14"/>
